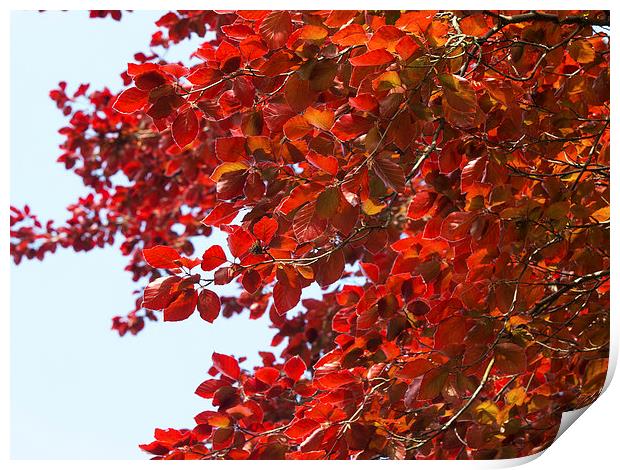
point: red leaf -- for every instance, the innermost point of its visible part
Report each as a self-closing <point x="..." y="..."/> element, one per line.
<point x="312" y="33"/>
<point x="223" y="276"/>
<point x="451" y="331"/>
<point x="267" y="375"/>
<point x="208" y="388"/>
<point x="364" y="102"/>
<point x="265" y="229"/>
<point x="376" y="57"/>
<point x="276" y="28"/>
<point x="182" y="307"/>
<point x="162" y="108"/>
<point x="298" y="94"/>
<point x="296" y="128"/>
<point x="414" y="369"/>
<point x="237" y="31"/>
<point x="335" y="379"/>
<point x="285" y="297"/>
<point x="294" y="368"/>
<point x="212" y="258"/>
<point x="227" y="365"/>
<point x="159" y="293"/>
<point x="253" y="47"/>
<point x="420" y="204"/>
<point x="208" y="305"/>
<point x="185" y="128"/>
<point x="328" y="164"/>
<point x="412" y="392"/>
<point x="254" y="187"/>
<point x="149" y="80"/>
<point x="301" y="428"/>
<point x="213" y="418"/>
<point x="251" y="281"/>
<point x="385" y="37"/>
<point x="130" y="100"/>
<point x="346" y="218"/>
<point x="456" y="226"/>
<point x="297" y="197"/>
<point x="231" y="149"/>
<point x="460" y="106"/>
<point x="472" y="173"/>
<point x="222" y="214"/>
<point x="154" y="448"/>
<point x="351" y="35"/>
<point x="307" y="225"/>
<point x="510" y="359"/>
<point x="175" y="70"/>
<point x="240" y="242"/>
<point x="189" y="263"/>
<point x="390" y="173"/>
<point x="161" y="257"/>
<point x="432" y="383"/>
<point x="330" y="268"/>
<point x="351" y="126"/>
<point x="450" y="157"/>
<point x="300" y="455"/>
<point x="418" y="308"/>
<point x="406" y="47"/>
<point x="371" y="270"/>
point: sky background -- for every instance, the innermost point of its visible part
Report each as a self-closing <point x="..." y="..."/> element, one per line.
<point x="78" y="390"/>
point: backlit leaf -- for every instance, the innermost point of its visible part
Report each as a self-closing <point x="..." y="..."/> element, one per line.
<point x="322" y="119"/>
<point x="390" y="172"/>
<point x="185" y="128"/>
<point x="181" y="307"/>
<point x="285" y="297"/>
<point x="130" y="100"/>
<point x="276" y="28"/>
<point x="351" y="35"/>
<point x="294" y="368"/>
<point x="301" y="428"/>
<point x="307" y="224"/>
<point x="161" y="257"/>
<point x="432" y="384"/>
<point x="208" y="305"/>
<point x="375" y="57"/>
<point x="265" y="229"/>
<point x="227" y="365"/>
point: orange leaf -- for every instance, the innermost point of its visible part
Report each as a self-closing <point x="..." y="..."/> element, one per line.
<point x="376" y="57"/>
<point x="321" y="119"/>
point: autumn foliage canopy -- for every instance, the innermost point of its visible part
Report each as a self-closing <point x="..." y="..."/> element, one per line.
<point x="443" y="177"/>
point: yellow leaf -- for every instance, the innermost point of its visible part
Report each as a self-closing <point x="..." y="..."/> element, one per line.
<point x="228" y="167"/>
<point x="386" y="81"/>
<point x="601" y="215"/>
<point x="516" y="396"/>
<point x="487" y="412"/>
<point x="322" y="119"/>
<point x="313" y="33"/>
<point x="306" y="272"/>
<point x="582" y="51"/>
<point x="370" y="208"/>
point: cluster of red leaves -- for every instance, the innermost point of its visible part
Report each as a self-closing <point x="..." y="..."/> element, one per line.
<point x="114" y="14"/>
<point x="455" y="162"/>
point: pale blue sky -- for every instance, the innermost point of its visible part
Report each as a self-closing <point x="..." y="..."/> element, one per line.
<point x="77" y="389"/>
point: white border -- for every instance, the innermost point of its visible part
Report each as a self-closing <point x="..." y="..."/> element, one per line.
<point x="590" y="444"/>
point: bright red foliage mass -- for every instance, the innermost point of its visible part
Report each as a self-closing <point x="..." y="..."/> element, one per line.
<point x="443" y="176"/>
